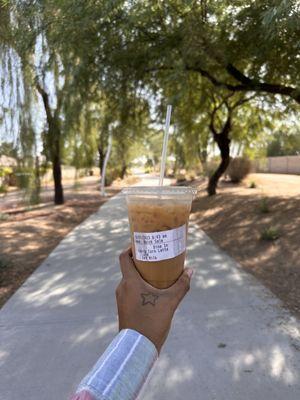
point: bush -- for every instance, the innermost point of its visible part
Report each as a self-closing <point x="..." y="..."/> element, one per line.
<point x="270" y="234"/>
<point x="252" y="185"/>
<point x="111" y="175"/>
<point x="238" y="169"/>
<point x="180" y="177"/>
<point x="3" y="188"/>
<point x="6" y="174"/>
<point x="191" y="175"/>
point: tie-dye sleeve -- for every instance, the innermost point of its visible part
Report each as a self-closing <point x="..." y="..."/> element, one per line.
<point x="121" y="371"/>
<point x="83" y="395"/>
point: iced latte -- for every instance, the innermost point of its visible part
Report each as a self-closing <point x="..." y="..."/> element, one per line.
<point x="158" y="218"/>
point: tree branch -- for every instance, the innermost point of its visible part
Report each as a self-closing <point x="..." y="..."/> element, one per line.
<point x="45" y="98"/>
<point x="247" y="84"/>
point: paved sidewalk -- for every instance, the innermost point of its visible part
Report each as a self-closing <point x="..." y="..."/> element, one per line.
<point x="230" y="340"/>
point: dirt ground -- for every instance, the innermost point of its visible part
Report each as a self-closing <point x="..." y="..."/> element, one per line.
<point x="27" y="237"/>
<point x="238" y="214"/>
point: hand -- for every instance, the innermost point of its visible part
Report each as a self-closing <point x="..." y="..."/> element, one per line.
<point x="144" y="308"/>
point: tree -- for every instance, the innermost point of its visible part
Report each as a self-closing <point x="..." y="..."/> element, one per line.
<point x="53" y="138"/>
<point x="234" y="49"/>
<point x="127" y="52"/>
<point x="283" y="144"/>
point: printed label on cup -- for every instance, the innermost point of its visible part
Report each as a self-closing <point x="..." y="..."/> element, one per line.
<point x="157" y="246"/>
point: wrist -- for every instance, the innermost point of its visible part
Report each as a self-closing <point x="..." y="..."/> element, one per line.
<point x="148" y="340"/>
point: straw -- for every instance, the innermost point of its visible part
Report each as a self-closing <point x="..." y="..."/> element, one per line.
<point x="165" y="146"/>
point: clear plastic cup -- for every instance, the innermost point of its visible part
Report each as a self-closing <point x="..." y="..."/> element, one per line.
<point x="158" y="218"/>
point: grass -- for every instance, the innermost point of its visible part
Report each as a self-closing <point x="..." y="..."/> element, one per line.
<point x="270" y="234"/>
<point x="264" y="207"/>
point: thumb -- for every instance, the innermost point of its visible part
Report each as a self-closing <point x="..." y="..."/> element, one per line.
<point x="182" y="285"/>
<point x="127" y="264"/>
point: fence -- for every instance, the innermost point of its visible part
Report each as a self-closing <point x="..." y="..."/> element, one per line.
<point x="279" y="165"/>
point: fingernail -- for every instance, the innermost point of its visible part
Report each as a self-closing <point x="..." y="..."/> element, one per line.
<point x="190" y="272"/>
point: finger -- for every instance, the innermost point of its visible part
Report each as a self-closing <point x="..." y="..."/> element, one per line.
<point x="127" y="265"/>
<point x="182" y="285"/>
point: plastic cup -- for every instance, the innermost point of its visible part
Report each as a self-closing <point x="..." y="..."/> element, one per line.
<point x="158" y="218"/>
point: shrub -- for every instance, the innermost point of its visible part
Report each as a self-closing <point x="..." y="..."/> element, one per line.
<point x="5" y="178"/>
<point x="238" y="169"/>
<point x="148" y="170"/>
<point x="270" y="234"/>
<point x="111" y="175"/>
<point x="180" y="177"/>
<point x="264" y="207"/>
<point x="252" y="185"/>
<point x="191" y="176"/>
<point x="3" y="188"/>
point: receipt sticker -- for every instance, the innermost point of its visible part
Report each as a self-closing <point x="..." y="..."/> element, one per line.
<point x="157" y="246"/>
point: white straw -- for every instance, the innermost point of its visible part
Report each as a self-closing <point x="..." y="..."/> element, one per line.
<point x="165" y="146"/>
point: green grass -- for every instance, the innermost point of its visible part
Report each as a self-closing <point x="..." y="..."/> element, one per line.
<point x="264" y="207"/>
<point x="270" y="234"/>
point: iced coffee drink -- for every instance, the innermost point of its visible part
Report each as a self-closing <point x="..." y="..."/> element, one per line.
<point x="158" y="218"/>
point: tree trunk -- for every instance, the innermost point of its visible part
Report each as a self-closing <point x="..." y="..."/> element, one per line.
<point x="106" y="158"/>
<point x="123" y="170"/>
<point x="58" y="189"/>
<point x="54" y="134"/>
<point x="225" y="160"/>
<point x="223" y="142"/>
<point x="101" y="158"/>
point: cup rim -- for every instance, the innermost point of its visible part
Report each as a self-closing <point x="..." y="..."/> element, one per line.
<point x="162" y="190"/>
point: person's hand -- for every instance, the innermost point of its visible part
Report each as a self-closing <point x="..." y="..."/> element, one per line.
<point x="144" y="308"/>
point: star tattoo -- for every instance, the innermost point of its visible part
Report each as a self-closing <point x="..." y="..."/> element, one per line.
<point x="149" y="298"/>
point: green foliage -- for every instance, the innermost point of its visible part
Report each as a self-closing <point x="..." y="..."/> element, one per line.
<point x="3" y="188"/>
<point x="252" y="185"/>
<point x="6" y="178"/>
<point x="238" y="169"/>
<point x="270" y="234"/>
<point x="284" y="145"/>
<point x="5" y="171"/>
<point x="111" y="175"/>
<point x="264" y="207"/>
<point x="8" y="149"/>
<point x="111" y="67"/>
<point x="24" y="176"/>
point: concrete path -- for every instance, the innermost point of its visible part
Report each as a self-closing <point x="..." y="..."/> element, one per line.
<point x="230" y="339"/>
